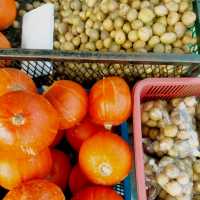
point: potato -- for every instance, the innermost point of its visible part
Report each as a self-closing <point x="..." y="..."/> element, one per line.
<point x="90" y="3"/>
<point x="170" y="131"/>
<point x="139" y="44"/>
<point x="68" y="46"/>
<point x="168" y="48"/>
<point x="127" y="45"/>
<point x="123" y="9"/>
<point x="107" y="42"/>
<point x="162" y="179"/>
<point x="162" y="20"/>
<point x="183" y="179"/>
<point x="108" y="25"/>
<point x="146" y="15"/>
<point x="154" y="40"/>
<point x="179" y="29"/>
<point x="132" y="15"/>
<point x="114" y="47"/>
<point x="158" y="29"/>
<point x="136" y="4"/>
<point x="159" y="48"/>
<point x="120" y="37"/>
<point x="168" y="38"/>
<point x="184" y="5"/>
<point x="174" y="188"/>
<point x="173" y="18"/>
<point x="137" y="24"/>
<point x="147" y="106"/>
<point x="133" y="36"/>
<point x="151" y="123"/>
<point x="183" y="135"/>
<point x="126" y="28"/>
<point x="172" y="171"/>
<point x="166" y="144"/>
<point x="99" y="44"/>
<point x="144" y="33"/>
<point x="155" y="114"/>
<point x="172" y="6"/>
<point x="188" y="18"/>
<point x="112" y="5"/>
<point x="118" y="22"/>
<point x="161" y="10"/>
<point x="145" y="4"/>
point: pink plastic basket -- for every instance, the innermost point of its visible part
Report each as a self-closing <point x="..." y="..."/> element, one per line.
<point x="155" y="88"/>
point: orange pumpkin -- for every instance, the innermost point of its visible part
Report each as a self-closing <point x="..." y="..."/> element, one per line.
<point x="70" y="100"/>
<point x="28" y="121"/>
<point x="15" y="171"/>
<point x="60" y="171"/>
<point x="110" y="101"/>
<point x="4" y="44"/>
<point x="77" y="180"/>
<point x="8" y="13"/>
<point x="15" y="80"/>
<point x="105" y="158"/>
<point x="36" y="190"/>
<point x="78" y="134"/>
<point x="58" y="138"/>
<point x="97" y="193"/>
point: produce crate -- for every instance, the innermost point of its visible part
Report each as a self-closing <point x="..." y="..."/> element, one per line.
<point x="131" y="66"/>
<point x="127" y="187"/>
<point x="151" y="89"/>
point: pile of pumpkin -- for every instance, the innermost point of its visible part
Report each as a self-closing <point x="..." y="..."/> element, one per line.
<point x="32" y="124"/>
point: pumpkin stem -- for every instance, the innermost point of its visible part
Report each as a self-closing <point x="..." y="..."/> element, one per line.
<point x="18" y="120"/>
<point x="108" y="127"/>
<point x="105" y="169"/>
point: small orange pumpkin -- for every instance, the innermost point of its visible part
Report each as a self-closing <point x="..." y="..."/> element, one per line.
<point x="105" y="158"/>
<point x="110" y="101"/>
<point x="8" y="13"/>
<point x="97" y="193"/>
<point x="58" y="138"/>
<point x="15" y="171"/>
<point x="15" y="80"/>
<point x="29" y="123"/>
<point x="4" y="44"/>
<point x="70" y="100"/>
<point x="36" y="190"/>
<point x="60" y="171"/>
<point x="77" y="180"/>
<point x="78" y="134"/>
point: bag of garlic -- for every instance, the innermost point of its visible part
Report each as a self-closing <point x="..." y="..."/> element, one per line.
<point x="175" y="178"/>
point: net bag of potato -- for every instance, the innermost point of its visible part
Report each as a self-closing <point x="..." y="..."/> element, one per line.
<point x="152" y="187"/>
<point x="171" y="127"/>
<point x="175" y="178"/>
<point x="183" y="128"/>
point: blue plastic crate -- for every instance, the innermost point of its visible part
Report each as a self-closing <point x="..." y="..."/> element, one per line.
<point x="127" y="188"/>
